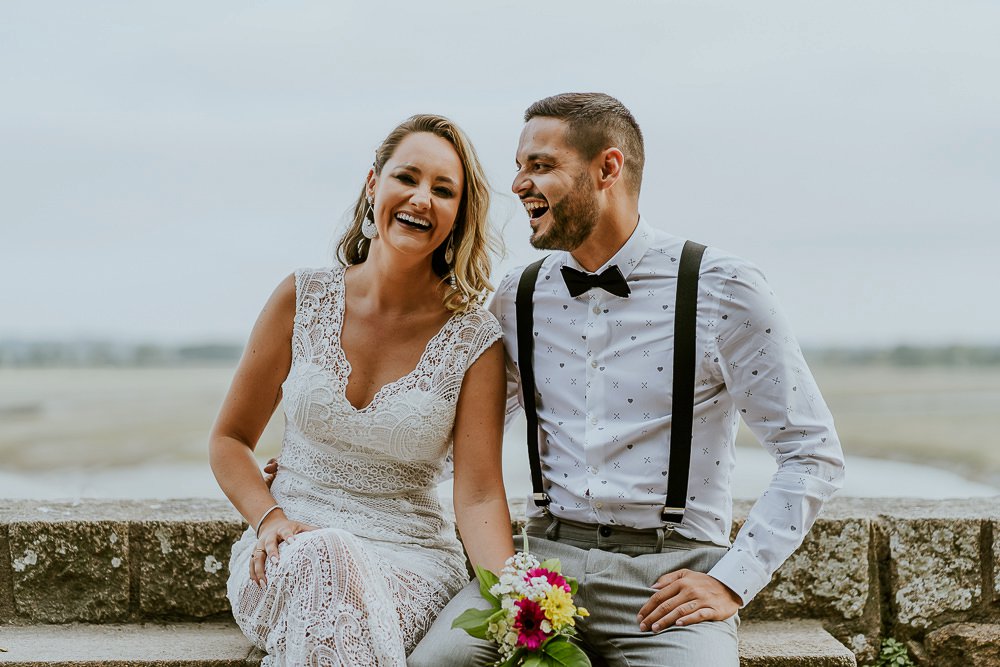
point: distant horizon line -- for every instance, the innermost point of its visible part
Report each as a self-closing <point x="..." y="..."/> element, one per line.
<point x="223" y="341"/>
<point x="96" y="352"/>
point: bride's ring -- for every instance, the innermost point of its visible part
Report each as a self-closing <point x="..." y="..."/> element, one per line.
<point x="259" y="551"/>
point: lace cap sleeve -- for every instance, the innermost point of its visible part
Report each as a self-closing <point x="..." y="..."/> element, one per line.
<point x="480" y="330"/>
<point x="312" y="289"/>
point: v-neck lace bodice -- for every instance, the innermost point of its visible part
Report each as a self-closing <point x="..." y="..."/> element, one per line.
<point x="405" y="431"/>
<point x="367" y="477"/>
<point x="429" y="353"/>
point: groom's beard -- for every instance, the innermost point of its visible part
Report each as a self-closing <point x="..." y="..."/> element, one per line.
<point x="573" y="218"/>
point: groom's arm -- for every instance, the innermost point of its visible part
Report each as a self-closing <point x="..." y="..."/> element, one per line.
<point x="778" y="399"/>
<point x="774" y="391"/>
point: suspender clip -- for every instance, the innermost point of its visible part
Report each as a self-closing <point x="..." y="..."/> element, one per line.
<point x="672" y="514"/>
<point x="541" y="499"/>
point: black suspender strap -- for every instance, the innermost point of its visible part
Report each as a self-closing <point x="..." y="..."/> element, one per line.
<point x="524" y="309"/>
<point x="685" y="315"/>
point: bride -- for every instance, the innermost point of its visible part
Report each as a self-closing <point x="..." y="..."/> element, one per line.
<point x="380" y="366"/>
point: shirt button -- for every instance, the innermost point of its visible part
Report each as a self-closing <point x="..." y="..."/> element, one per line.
<point x="593" y="364"/>
<point x="593" y="420"/>
<point x="597" y="311"/>
<point x="599" y="505"/>
<point x="592" y="470"/>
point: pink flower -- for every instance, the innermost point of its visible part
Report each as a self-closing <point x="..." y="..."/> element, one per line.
<point x="554" y="578"/>
<point x="528" y="624"/>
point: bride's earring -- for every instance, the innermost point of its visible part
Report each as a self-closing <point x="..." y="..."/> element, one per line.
<point x="368" y="227"/>
<point x="449" y="257"/>
<point x="449" y="251"/>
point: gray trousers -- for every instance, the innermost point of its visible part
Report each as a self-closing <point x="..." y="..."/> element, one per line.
<point x="615" y="568"/>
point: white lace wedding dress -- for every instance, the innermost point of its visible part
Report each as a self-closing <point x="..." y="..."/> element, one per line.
<point x="364" y="588"/>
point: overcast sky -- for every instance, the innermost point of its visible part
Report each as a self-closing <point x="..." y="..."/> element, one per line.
<point x="164" y="165"/>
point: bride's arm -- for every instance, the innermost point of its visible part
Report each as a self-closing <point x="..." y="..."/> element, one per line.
<point x="480" y="499"/>
<point x="252" y="398"/>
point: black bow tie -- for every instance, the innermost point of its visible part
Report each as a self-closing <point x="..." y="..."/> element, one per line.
<point x="610" y="280"/>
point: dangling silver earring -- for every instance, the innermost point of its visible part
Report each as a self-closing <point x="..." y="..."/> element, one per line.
<point x="368" y="227"/>
<point x="449" y="251"/>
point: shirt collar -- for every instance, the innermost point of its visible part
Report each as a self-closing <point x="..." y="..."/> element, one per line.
<point x="628" y="256"/>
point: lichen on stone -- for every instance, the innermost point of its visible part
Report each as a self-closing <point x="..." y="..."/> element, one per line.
<point x="935" y="568"/>
<point x="164" y="538"/>
<point x="212" y="565"/>
<point x="30" y="558"/>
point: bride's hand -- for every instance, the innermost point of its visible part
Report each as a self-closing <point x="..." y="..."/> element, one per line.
<point x="273" y="532"/>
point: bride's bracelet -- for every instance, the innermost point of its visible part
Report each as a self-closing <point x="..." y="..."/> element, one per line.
<point x="264" y="516"/>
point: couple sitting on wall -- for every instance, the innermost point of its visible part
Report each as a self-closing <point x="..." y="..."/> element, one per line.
<point x="633" y="383"/>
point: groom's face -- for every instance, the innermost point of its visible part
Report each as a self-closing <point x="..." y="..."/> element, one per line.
<point x="554" y="184"/>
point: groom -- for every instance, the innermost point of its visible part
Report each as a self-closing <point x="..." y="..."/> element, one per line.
<point x="662" y="583"/>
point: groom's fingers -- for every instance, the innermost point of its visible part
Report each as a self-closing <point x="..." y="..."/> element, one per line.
<point x="662" y="603"/>
<point x="668" y="578"/>
<point x="696" y="610"/>
<point x="667" y="586"/>
<point x="699" y="615"/>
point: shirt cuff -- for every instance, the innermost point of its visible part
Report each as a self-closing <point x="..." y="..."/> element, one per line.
<point x="741" y="573"/>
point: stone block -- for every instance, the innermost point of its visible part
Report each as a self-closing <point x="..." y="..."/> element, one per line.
<point x="828" y="577"/>
<point x="934" y="567"/>
<point x="183" y="567"/>
<point x="965" y="644"/>
<point x="7" y="611"/>
<point x="790" y="644"/>
<point x="128" y="645"/>
<point x="70" y="570"/>
<point x="995" y="564"/>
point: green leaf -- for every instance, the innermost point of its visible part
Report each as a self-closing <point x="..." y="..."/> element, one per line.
<point x="474" y="621"/>
<point x="573" y="585"/>
<point x="566" y="654"/>
<point x="486" y="581"/>
<point x="552" y="564"/>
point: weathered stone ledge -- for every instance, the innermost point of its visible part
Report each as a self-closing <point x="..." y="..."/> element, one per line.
<point x="221" y="644"/>
<point x="927" y="572"/>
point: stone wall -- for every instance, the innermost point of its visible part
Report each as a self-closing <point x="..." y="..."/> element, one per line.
<point x="924" y="572"/>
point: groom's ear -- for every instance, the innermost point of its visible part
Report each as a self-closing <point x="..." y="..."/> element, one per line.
<point x="612" y="164"/>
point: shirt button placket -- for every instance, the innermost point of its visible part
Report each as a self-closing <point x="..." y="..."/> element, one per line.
<point x="596" y="334"/>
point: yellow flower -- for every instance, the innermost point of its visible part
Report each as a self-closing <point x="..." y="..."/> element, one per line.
<point x="582" y="612"/>
<point x="558" y="608"/>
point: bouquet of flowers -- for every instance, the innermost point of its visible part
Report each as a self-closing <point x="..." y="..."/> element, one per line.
<point x="532" y="616"/>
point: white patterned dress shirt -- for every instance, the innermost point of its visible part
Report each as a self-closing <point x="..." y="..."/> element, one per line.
<point x="603" y="371"/>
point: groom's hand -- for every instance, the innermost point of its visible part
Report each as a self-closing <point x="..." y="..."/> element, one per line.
<point x="685" y="597"/>
<point x="270" y="470"/>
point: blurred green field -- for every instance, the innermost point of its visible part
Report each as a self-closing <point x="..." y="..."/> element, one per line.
<point x="109" y="417"/>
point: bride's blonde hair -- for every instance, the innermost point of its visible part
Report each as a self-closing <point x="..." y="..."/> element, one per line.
<point x="473" y="238"/>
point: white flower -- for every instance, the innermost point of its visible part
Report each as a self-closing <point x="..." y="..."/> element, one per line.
<point x="500" y="589"/>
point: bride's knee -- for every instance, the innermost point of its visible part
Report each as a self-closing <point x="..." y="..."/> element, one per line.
<point x="317" y="551"/>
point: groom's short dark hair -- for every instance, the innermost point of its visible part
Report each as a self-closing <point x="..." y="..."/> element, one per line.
<point x="596" y="121"/>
